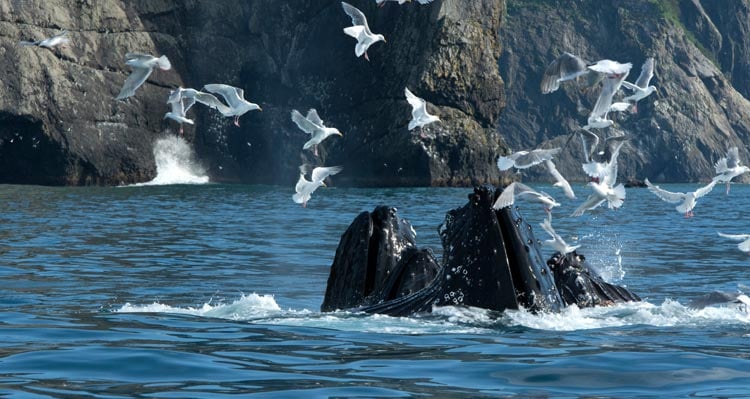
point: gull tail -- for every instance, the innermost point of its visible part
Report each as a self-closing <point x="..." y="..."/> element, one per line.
<point x="163" y="63"/>
<point x="619" y="197"/>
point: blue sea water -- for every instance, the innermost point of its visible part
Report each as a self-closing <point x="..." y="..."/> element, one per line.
<point x="213" y="291"/>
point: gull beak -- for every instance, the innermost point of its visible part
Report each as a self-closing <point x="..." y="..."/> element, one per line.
<point x="323" y="183"/>
<point x="340" y="134"/>
<point x="260" y="109"/>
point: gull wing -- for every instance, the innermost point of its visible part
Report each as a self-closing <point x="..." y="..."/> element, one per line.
<point x="357" y="16"/>
<point x="733" y="158"/>
<point x="320" y="173"/>
<point x="312" y="116"/>
<point x="560" y="180"/>
<point x="610" y="172"/>
<point x="591" y="202"/>
<point x="609" y="88"/>
<point x="566" y="67"/>
<point x="301" y="183"/>
<point x="303" y="123"/>
<point x="665" y="195"/>
<point x="137" y="77"/>
<point x="647" y="72"/>
<point x="418" y="105"/>
<point x="735" y="237"/>
<point x="705" y="189"/>
<point x="138" y="56"/>
<point x="211" y="101"/>
<point x="506" y="198"/>
<point x="229" y="93"/>
<point x="535" y="157"/>
<point x="629" y="85"/>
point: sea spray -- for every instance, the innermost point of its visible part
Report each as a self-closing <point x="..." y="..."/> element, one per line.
<point x="176" y="164"/>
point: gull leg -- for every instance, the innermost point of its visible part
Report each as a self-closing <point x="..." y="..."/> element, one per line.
<point x="181" y="131"/>
<point x="304" y="204"/>
<point x="727" y="188"/>
<point x="315" y="150"/>
<point x="366" y="57"/>
<point x="237" y="120"/>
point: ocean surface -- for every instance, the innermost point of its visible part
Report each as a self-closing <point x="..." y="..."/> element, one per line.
<point x="204" y="290"/>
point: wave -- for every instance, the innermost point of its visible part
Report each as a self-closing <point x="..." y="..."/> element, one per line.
<point x="175" y="163"/>
<point x="462" y="320"/>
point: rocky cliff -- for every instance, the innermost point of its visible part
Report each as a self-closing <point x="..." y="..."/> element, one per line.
<point x="59" y="123"/>
<point x="679" y="132"/>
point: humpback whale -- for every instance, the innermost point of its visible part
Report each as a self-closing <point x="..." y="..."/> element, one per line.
<point x="490" y="260"/>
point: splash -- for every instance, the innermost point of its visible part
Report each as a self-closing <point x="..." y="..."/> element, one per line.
<point x="176" y="164"/>
<point x="461" y="320"/>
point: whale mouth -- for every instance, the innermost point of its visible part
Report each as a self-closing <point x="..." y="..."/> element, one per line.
<point x="491" y="260"/>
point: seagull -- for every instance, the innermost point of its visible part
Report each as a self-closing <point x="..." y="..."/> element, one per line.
<point x="313" y="125"/>
<point x="721" y="298"/>
<point x="142" y="65"/>
<point x="525" y="159"/>
<point x="360" y="30"/>
<point x="614" y="74"/>
<point x="566" y="67"/>
<point x="60" y="39"/>
<point x="729" y="167"/>
<point x="603" y="185"/>
<point x="559" y="179"/>
<point x="557" y="242"/>
<point x="381" y="3"/>
<point x="518" y="189"/>
<point x="235" y="98"/>
<point x="641" y="89"/>
<point x="744" y="245"/>
<point x="192" y="96"/>
<point x="687" y="200"/>
<point x="419" y="115"/>
<point x="178" y="108"/>
<point x="598" y="170"/>
<point x="305" y="188"/>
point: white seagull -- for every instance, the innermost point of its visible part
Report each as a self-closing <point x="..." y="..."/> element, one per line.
<point x="381" y="3"/>
<point x="744" y="245"/>
<point x="614" y="74"/>
<point x="176" y="100"/>
<point x="641" y="88"/>
<point x="525" y="159"/>
<point x="60" y="39"/>
<point x="313" y="125"/>
<point x="517" y="189"/>
<point x="687" y="200"/>
<point x="305" y="188"/>
<point x="605" y="176"/>
<point x="729" y="167"/>
<point x="560" y="181"/>
<point x="142" y="65"/>
<point x="565" y="67"/>
<point x="235" y="98"/>
<point x="360" y="30"/>
<point x="557" y="242"/>
<point x="419" y="115"/>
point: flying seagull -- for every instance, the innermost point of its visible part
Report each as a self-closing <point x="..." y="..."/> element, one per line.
<point x="641" y="88"/>
<point x="525" y="159"/>
<point x="313" y="125"/>
<point x="142" y="65"/>
<point x="360" y="30"/>
<point x="518" y="189"/>
<point x="687" y="200"/>
<point x="560" y="181"/>
<point x="60" y="39"/>
<point x="605" y="176"/>
<point x="176" y="101"/>
<point x="381" y="3"/>
<point x="305" y="188"/>
<point x="235" y="98"/>
<point x="419" y="115"/>
<point x="557" y="242"/>
<point x="729" y="167"/>
<point x="744" y="245"/>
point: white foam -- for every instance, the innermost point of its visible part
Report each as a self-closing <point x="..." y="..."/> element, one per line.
<point x="175" y="163"/>
<point x="461" y="320"/>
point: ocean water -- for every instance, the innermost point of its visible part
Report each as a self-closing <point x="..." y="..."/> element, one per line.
<point x="213" y="291"/>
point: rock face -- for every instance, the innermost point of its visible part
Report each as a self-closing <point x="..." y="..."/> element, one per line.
<point x="680" y="131"/>
<point x="59" y="123"/>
